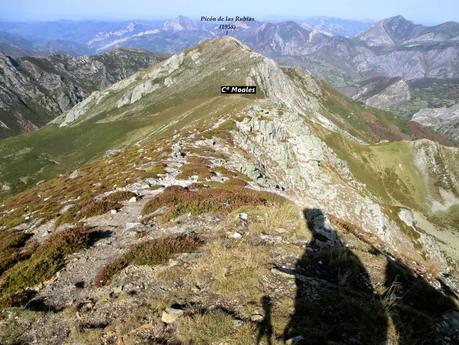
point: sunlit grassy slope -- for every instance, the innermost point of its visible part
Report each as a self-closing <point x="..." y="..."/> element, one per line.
<point x="40" y="155"/>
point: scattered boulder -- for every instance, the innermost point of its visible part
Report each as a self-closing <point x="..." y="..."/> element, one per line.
<point x="170" y="315"/>
<point x="256" y="317"/>
<point x="407" y="217"/>
<point x="132" y="225"/>
<point x="235" y="235"/>
<point x="112" y="153"/>
<point x="117" y="290"/>
<point x="238" y="322"/>
<point x="286" y="274"/>
<point x="244" y="217"/>
<point x="75" y="173"/>
<point x="295" y="340"/>
<point x="270" y="238"/>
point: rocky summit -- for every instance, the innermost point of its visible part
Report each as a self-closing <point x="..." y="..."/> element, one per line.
<point x="160" y="211"/>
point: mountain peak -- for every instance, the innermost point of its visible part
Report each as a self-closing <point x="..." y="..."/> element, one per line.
<point x="391" y="31"/>
<point x="398" y="18"/>
<point x="222" y="41"/>
<point x="398" y="24"/>
<point x="180" y="23"/>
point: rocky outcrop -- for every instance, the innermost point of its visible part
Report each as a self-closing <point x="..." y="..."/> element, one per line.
<point x="34" y="90"/>
<point x="442" y="120"/>
<point x="394" y="95"/>
<point x="289" y="155"/>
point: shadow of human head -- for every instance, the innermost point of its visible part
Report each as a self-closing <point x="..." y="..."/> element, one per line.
<point x="334" y="299"/>
<point x="266" y="302"/>
<point x="322" y="233"/>
<point x="415" y="306"/>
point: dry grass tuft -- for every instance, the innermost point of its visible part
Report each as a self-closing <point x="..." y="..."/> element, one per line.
<point x="231" y="269"/>
<point x="285" y="218"/>
<point x="215" y="327"/>
<point x="152" y="172"/>
<point x="196" y="166"/>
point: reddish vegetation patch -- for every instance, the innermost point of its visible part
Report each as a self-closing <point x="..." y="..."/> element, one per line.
<point x="13" y="248"/>
<point x="383" y="131"/>
<point x="419" y="131"/>
<point x="153" y="252"/>
<point x="223" y="131"/>
<point x="235" y="183"/>
<point x="88" y="209"/>
<point x="45" y="262"/>
<point x="97" y="177"/>
<point x="196" y="166"/>
<point x="119" y="196"/>
<point x="179" y="200"/>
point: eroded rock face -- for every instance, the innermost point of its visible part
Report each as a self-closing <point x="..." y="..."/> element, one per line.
<point x="33" y="91"/>
<point x="442" y="120"/>
<point x="286" y="153"/>
<point x="394" y="95"/>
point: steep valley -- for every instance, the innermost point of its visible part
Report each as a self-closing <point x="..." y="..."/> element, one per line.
<point x="34" y="90"/>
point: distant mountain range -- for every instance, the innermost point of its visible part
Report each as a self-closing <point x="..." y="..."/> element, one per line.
<point x="337" y="26"/>
<point x="361" y="58"/>
<point x="339" y="51"/>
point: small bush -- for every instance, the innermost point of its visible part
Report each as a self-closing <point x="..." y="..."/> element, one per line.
<point x="153" y="252"/>
<point x="153" y="172"/>
<point x="119" y="196"/>
<point x="223" y="131"/>
<point x="48" y="259"/>
<point x="179" y="200"/>
<point x="87" y="209"/>
<point x="188" y="170"/>
<point x="12" y="243"/>
<point x="221" y="170"/>
<point x="196" y="166"/>
<point x="234" y="183"/>
<point x="285" y="218"/>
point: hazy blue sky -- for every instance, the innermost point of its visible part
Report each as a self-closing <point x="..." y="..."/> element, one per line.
<point x="425" y="11"/>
